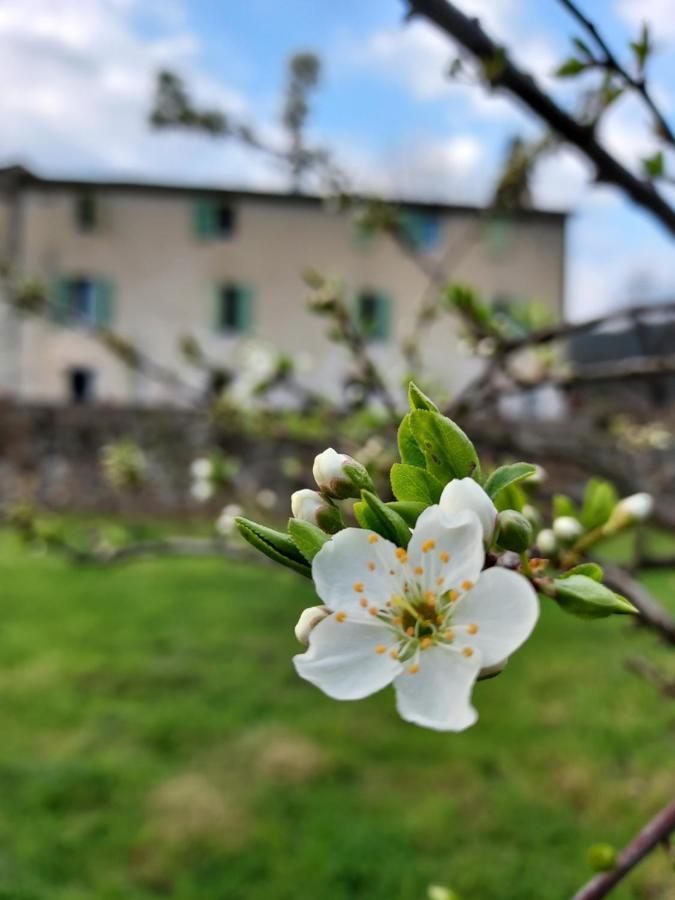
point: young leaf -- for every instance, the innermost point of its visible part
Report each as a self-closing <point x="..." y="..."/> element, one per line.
<point x="507" y="475"/>
<point x="589" y="569"/>
<point x="654" y="166"/>
<point x="388" y="523"/>
<point x="571" y="67"/>
<point x="419" y="400"/>
<point x="447" y="450"/>
<point x="408" y="447"/>
<point x="407" y="510"/>
<point x="600" y="498"/>
<point x="412" y="483"/>
<point x="563" y="506"/>
<point x="588" y="599"/>
<point x="274" y="544"/>
<point x="307" y="537"/>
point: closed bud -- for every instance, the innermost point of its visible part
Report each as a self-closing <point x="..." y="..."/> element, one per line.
<point x="309" y="619"/>
<point x="635" y="508"/>
<point x="514" y="531"/>
<point x="340" y="476"/>
<point x="313" y="507"/>
<point x="602" y="857"/>
<point x="546" y="542"/>
<point x="567" y="528"/>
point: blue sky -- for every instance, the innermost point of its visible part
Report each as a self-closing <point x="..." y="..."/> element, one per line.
<point x="78" y="77"/>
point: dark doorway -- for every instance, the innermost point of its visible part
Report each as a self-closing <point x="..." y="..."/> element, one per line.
<point x="80" y="385"/>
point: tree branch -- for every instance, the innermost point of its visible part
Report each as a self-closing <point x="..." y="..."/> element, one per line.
<point x="654" y="833"/>
<point x="503" y="73"/>
<point x="652" y="614"/>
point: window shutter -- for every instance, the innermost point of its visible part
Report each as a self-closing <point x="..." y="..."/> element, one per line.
<point x="60" y="310"/>
<point x="203" y="218"/>
<point x="104" y="303"/>
<point x="244" y="308"/>
<point x="217" y="309"/>
<point x="382" y="327"/>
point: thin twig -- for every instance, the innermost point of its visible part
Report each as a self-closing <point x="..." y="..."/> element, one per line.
<point x="652" y="614"/>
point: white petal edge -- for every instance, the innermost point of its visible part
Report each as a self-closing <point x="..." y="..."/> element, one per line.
<point x="439" y="695"/>
<point x="504" y="606"/>
<point x="459" y="536"/>
<point x="342" y="659"/>
<point x="465" y="493"/>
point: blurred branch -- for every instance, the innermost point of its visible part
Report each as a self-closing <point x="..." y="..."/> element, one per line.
<point x="652" y="614"/>
<point x="654" y="833"/>
<point x="501" y="72"/>
<point x="653" y="675"/>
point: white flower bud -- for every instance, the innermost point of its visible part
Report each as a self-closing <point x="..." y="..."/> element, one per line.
<point x="465" y="493"/>
<point x="309" y="619"/>
<point x="226" y="520"/>
<point x="637" y="507"/>
<point x="201" y="469"/>
<point x="201" y="490"/>
<point x="311" y="506"/>
<point x="546" y="542"/>
<point x="567" y="528"/>
<point x="267" y="498"/>
<point x="332" y="479"/>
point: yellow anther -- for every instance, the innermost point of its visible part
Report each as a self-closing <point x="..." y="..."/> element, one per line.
<point x="380" y="648"/>
<point x="472" y="629"/>
<point x="440" y="580"/>
<point x="414" y="669"/>
<point x="393" y="654"/>
<point x="373" y="610"/>
<point x="401" y="554"/>
<point x="467" y="651"/>
<point x="358" y="587"/>
<point x="426" y="642"/>
<point x="373" y="538"/>
<point x="427" y="546"/>
<point x="445" y="557"/>
<point x="340" y="616"/>
<point x="410" y="631"/>
<point x="448" y="634"/>
<point x="430" y="598"/>
<point x="439" y="618"/>
<point x="453" y="595"/>
<point x="419" y="570"/>
<point x="371" y="566"/>
<point x="398" y="620"/>
<point x="467" y="585"/>
<point x="363" y="602"/>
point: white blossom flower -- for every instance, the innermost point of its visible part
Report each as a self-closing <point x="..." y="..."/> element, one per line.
<point x="201" y="469"/>
<point x="225" y="523"/>
<point x="637" y="507"/>
<point x="546" y="541"/>
<point x="567" y="528"/>
<point x="465" y="493"/>
<point x="267" y="498"/>
<point x="201" y="490"/>
<point x="426" y="619"/>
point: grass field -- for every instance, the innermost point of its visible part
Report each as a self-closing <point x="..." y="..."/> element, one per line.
<point x="155" y="742"/>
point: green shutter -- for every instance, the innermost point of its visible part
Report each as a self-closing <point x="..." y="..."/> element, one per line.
<point x="104" y="303"/>
<point x="60" y="309"/>
<point x="217" y="309"/>
<point x="204" y="218"/>
<point x="244" y="308"/>
<point x="382" y="328"/>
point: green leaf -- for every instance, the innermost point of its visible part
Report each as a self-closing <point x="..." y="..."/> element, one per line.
<point x="307" y="537"/>
<point x="507" y="475"/>
<point x="408" y="447"/>
<point x="586" y="598"/>
<point x="511" y="497"/>
<point x="412" y="483"/>
<point x="407" y="510"/>
<point x="571" y="67"/>
<point x="274" y="544"/>
<point x="419" y="400"/>
<point x="654" y="166"/>
<point x="589" y="569"/>
<point x="600" y="498"/>
<point x="563" y="506"/>
<point x="386" y="521"/>
<point x="447" y="450"/>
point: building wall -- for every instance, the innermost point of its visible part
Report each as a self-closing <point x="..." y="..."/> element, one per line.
<point x="164" y="281"/>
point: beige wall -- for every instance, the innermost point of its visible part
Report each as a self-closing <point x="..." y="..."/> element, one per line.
<point x="164" y="282"/>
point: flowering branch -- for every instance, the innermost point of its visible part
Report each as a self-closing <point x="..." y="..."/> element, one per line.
<point x="656" y="832"/>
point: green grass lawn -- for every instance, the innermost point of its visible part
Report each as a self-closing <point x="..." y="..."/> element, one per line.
<point x="155" y="742"/>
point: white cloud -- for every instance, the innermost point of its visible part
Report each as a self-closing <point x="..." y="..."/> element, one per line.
<point x="659" y="13"/>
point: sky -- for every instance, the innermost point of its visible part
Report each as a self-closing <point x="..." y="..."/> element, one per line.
<point x="78" y="79"/>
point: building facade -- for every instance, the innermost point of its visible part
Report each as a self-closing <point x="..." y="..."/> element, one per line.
<point x="155" y="263"/>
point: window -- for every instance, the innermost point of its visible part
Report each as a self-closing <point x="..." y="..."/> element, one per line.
<point x="213" y="219"/>
<point x="373" y="315"/>
<point x="422" y="230"/>
<point x="86" y="213"/>
<point x="233" y="309"/>
<point x="80" y="385"/>
<point x="84" y="301"/>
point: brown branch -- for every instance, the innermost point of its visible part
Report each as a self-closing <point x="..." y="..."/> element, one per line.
<point x="469" y="33"/>
<point x="612" y="64"/>
<point x="654" y="833"/>
<point x="653" y="675"/>
<point x="652" y="614"/>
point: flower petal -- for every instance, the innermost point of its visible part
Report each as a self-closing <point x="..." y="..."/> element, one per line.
<point x="439" y="695"/>
<point x="348" y="660"/>
<point x="355" y="564"/>
<point x="446" y="551"/>
<point x="465" y="493"/>
<point x="505" y="608"/>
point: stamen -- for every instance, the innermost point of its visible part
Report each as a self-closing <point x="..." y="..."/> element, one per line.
<point x="440" y="580"/>
<point x="467" y="585"/>
<point x="453" y="595"/>
<point x="449" y="634"/>
<point x="380" y="649"/>
<point x="371" y="566"/>
<point x="439" y="618"/>
<point x="472" y="629"/>
<point x="445" y="557"/>
<point x="398" y="620"/>
<point x="358" y="587"/>
<point x="373" y="538"/>
<point x="467" y="651"/>
<point x="430" y="598"/>
<point x="393" y="654"/>
<point x="363" y="602"/>
<point x="340" y="616"/>
<point x="410" y="631"/>
<point x="402" y="555"/>
<point x="425" y="642"/>
<point x="414" y="669"/>
<point x="418" y="570"/>
<point x="427" y="546"/>
<point x="373" y="610"/>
